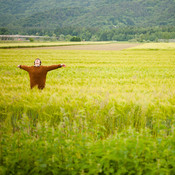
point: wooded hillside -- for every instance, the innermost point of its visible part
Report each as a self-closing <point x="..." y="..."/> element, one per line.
<point x="39" y="16"/>
<point x="104" y="13"/>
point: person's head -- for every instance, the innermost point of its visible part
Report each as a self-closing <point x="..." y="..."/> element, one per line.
<point x="37" y="62"/>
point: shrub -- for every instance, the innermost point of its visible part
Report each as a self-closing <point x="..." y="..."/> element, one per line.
<point x="75" y="38"/>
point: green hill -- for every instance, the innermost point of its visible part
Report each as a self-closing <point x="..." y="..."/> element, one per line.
<point x="90" y="13"/>
<point x="120" y="20"/>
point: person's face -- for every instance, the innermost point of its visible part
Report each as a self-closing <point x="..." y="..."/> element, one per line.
<point x="37" y="63"/>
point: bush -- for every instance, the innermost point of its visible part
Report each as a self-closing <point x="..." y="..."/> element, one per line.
<point x="75" y="38"/>
<point x="31" y="39"/>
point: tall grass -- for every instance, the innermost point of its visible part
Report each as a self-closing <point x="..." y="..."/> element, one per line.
<point x="107" y="112"/>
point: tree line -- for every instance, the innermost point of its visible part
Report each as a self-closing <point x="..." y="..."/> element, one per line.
<point x="130" y="33"/>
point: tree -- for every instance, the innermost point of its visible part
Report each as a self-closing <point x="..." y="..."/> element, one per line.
<point x="4" y="31"/>
<point x="75" y="38"/>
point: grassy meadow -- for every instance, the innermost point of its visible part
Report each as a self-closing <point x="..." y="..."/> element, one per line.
<point x="107" y="112"/>
<point x="27" y="44"/>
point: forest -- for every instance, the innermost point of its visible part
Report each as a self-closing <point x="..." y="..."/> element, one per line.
<point x="91" y="20"/>
<point x="130" y="33"/>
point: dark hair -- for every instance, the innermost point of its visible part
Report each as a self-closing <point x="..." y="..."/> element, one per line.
<point x="37" y="59"/>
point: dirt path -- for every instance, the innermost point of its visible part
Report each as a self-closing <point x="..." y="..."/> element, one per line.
<point x="113" y="46"/>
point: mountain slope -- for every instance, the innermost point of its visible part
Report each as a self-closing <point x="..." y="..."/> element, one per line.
<point x="92" y="13"/>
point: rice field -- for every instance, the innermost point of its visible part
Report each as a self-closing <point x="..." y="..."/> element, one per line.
<point x="107" y="112"/>
<point x="20" y="44"/>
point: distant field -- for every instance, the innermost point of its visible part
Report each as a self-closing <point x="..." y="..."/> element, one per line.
<point x="161" y="46"/>
<point x="107" y="112"/>
<point x="44" y="44"/>
<point x="97" y="46"/>
<point x="115" y="46"/>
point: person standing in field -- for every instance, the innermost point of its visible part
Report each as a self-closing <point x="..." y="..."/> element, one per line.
<point x="38" y="73"/>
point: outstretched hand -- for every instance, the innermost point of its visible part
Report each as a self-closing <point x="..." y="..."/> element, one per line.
<point x="63" y="65"/>
<point x="19" y="66"/>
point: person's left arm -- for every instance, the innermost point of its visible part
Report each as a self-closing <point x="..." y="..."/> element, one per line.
<point x="49" y="68"/>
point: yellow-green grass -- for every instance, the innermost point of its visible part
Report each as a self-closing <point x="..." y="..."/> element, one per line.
<point x="44" y="44"/>
<point x="108" y="112"/>
<point x="153" y="46"/>
<point x="94" y="84"/>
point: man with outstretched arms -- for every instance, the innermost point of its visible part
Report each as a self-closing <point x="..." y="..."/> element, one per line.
<point x="38" y="73"/>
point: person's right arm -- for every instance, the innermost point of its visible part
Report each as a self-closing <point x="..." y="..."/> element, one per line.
<point x="26" y="68"/>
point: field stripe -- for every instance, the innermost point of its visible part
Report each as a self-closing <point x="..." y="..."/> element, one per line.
<point x="107" y="47"/>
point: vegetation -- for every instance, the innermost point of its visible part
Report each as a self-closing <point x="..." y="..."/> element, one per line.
<point x="94" y="20"/>
<point x="107" y="112"/>
<point x="138" y="34"/>
<point x="53" y="13"/>
<point x="19" y="44"/>
<point x="4" y="31"/>
<point x="75" y="38"/>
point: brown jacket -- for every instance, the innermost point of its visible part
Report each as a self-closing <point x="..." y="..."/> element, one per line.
<point x="38" y="74"/>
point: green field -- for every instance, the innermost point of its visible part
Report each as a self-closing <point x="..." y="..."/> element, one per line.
<point x="19" y="44"/>
<point x="107" y="112"/>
